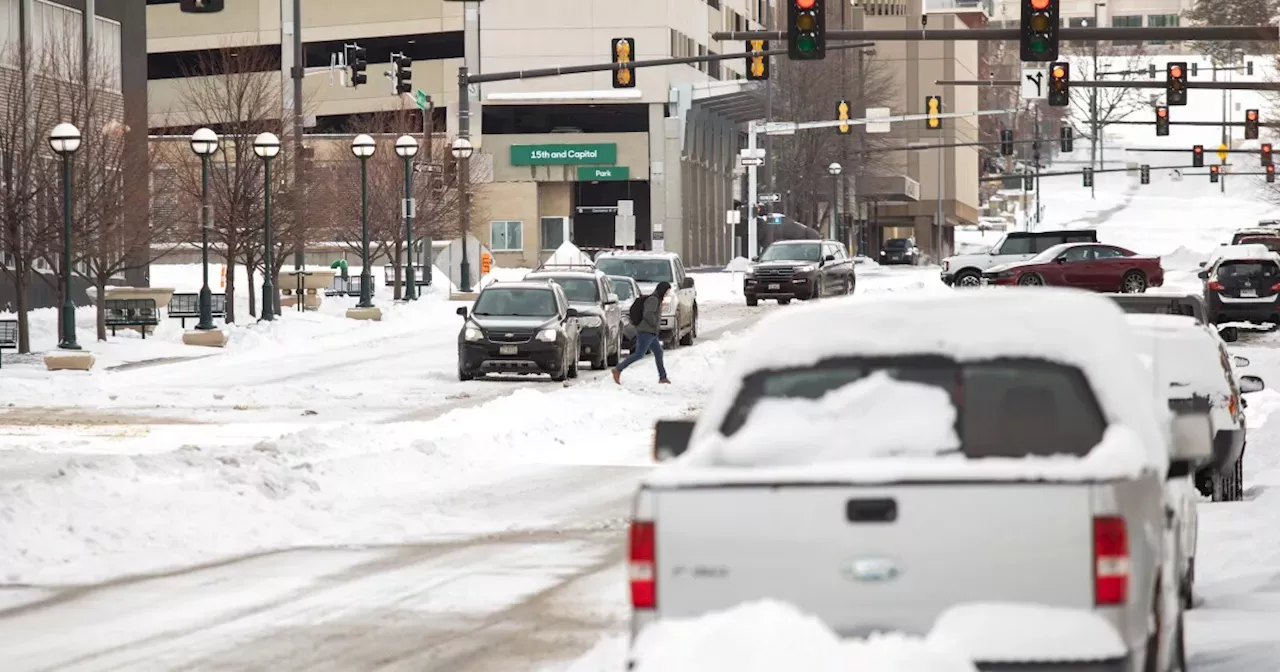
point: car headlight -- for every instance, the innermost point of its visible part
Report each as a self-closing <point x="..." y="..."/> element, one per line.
<point x="807" y="269"/>
<point x="589" y="321"/>
<point x="882" y="253"/>
<point x="547" y="335"/>
<point x="669" y="304"/>
<point x="1006" y="274"/>
<point x="750" y="271"/>
<point x="473" y="334"/>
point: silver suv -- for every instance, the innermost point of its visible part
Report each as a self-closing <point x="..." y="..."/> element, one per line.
<point x="680" y="308"/>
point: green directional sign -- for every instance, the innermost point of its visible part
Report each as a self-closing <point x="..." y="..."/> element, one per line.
<point x="606" y="174"/>
<point x="603" y="154"/>
<point x="422" y="100"/>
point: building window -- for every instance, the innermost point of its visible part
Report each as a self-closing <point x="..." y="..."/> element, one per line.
<point x="506" y="236"/>
<point x="1161" y="21"/>
<point x="57" y="39"/>
<point x="106" y="35"/>
<point x="1126" y="22"/>
<point x="9" y="35"/>
<point x="555" y="231"/>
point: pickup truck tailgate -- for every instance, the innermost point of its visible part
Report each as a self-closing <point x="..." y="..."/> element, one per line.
<point x="866" y="558"/>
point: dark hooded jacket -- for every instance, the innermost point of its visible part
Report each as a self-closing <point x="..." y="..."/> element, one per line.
<point x="652" y="322"/>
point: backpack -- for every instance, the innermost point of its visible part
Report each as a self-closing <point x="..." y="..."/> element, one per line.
<point x="636" y="311"/>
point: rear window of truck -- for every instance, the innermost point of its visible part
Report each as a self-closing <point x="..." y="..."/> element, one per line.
<point x="1006" y="407"/>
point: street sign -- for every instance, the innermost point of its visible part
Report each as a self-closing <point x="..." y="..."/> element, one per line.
<point x="770" y="198"/>
<point x="1033" y="83"/>
<point x="422" y="100"/>
<point x="626" y="208"/>
<point x="624" y="230"/>
<point x="878" y="113"/>
<point x="1222" y="152"/>
<point x="776" y="219"/>
<point x="752" y="161"/>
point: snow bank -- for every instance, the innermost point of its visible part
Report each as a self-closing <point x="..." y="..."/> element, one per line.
<point x="1019" y="633"/>
<point x="1183" y="259"/>
<point x="799" y="431"/>
<point x="770" y="636"/>
<point x="568" y="254"/>
<point x="498" y="274"/>
<point x="738" y="265"/>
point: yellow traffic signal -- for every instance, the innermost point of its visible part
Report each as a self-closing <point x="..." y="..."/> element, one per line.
<point x="933" y="107"/>
<point x="757" y="65"/>
<point x="624" y="49"/>
<point x="842" y="113"/>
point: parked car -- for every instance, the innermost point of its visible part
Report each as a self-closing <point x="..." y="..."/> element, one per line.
<point x="1192" y="365"/>
<point x="799" y="269"/>
<point x="1271" y="241"/>
<point x="1101" y="268"/>
<point x="1239" y="235"/>
<point x="900" y="251"/>
<point x="599" y="316"/>
<point x="965" y="270"/>
<point x="1242" y="284"/>
<point x="864" y="534"/>
<point x="1187" y="305"/>
<point x="628" y="291"/>
<point x="679" y="308"/>
<point x="519" y="327"/>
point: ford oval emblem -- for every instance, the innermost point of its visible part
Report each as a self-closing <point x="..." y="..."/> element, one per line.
<point x="509" y="335"/>
<point x="872" y="570"/>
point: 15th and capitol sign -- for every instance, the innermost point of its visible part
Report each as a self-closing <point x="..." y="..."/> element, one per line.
<point x="565" y="155"/>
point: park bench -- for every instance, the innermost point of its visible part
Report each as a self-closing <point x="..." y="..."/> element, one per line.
<point x="187" y="306"/>
<point x="8" y="334"/>
<point x="140" y="313"/>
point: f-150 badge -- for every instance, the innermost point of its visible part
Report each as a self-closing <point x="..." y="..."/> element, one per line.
<point x="871" y="570"/>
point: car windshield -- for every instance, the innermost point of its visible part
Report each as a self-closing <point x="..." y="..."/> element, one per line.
<point x="1006" y="407"/>
<point x="791" y="252"/>
<point x="1049" y="254"/>
<point x="622" y="288"/>
<point x="640" y="270"/>
<point x="896" y="243"/>
<point x="577" y="290"/>
<point x="1271" y="243"/>
<point x="1230" y="270"/>
<point x="1137" y="304"/>
<point x="516" y="302"/>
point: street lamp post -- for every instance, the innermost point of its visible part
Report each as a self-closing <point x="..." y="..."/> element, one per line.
<point x="267" y="146"/>
<point x="406" y="149"/>
<point x="834" y="169"/>
<point x="362" y="147"/>
<point x="462" y="150"/>
<point x="65" y="140"/>
<point x="204" y="142"/>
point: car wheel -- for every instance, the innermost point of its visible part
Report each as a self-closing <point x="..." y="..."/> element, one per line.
<point x="601" y="360"/>
<point x="968" y="279"/>
<point x="573" y="368"/>
<point x="848" y="288"/>
<point x="752" y="301"/>
<point x="1133" y="282"/>
<point x="1189" y="585"/>
<point x="693" y="329"/>
<point x="1228" y="487"/>
<point x="563" y="373"/>
<point x="1152" y="662"/>
<point x="463" y="375"/>
<point x="1031" y="280"/>
<point x="617" y="349"/>
<point x="783" y="302"/>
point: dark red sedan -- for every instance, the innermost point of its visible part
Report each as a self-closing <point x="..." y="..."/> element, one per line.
<point x="1101" y="268"/>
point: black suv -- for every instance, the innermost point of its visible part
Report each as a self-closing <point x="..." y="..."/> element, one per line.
<point x="599" y="315"/>
<point x="1243" y="288"/>
<point x="519" y="327"/>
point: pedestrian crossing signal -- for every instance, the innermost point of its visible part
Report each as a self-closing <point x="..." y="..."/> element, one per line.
<point x="1144" y="174"/>
<point x="624" y="51"/>
<point x="757" y="65"/>
<point x="1088" y="177"/>
<point x="842" y="113"/>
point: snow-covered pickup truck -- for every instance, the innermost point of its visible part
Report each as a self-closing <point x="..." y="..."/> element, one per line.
<point x="965" y="270"/>
<point x="934" y="452"/>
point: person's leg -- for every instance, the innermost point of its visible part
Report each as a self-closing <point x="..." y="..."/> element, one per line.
<point x="644" y="341"/>
<point x="657" y="356"/>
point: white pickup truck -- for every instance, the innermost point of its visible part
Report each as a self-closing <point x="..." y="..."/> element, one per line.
<point x="877" y="475"/>
<point x="965" y="270"/>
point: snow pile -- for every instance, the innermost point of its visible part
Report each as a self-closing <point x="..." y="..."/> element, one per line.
<point x="1182" y="259"/>
<point x="738" y="265"/>
<point x="1019" y="633"/>
<point x="500" y="274"/>
<point x="800" y="431"/>
<point x="568" y="254"/>
<point x="770" y="636"/>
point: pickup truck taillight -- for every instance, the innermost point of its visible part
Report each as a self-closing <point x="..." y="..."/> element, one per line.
<point x="1110" y="561"/>
<point x="643" y="565"/>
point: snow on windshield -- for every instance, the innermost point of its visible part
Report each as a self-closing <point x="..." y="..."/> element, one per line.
<point x="791" y="252"/>
<point x="870" y="415"/>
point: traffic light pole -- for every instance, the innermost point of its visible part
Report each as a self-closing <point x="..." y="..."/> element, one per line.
<point x="1083" y="34"/>
<point x="1058" y="173"/>
<point x="1123" y="84"/>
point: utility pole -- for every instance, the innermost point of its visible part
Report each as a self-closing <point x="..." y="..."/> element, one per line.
<point x="1035" y="157"/>
<point x="768" y="145"/>
<point x="1093" y="105"/>
<point x="296" y="73"/>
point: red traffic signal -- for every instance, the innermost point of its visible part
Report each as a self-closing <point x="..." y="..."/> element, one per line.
<point x="1197" y="156"/>
<point x="1271" y="173"/>
<point x="1265" y="152"/>
<point x="1250" y="124"/>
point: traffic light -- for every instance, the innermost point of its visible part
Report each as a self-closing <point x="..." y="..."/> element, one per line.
<point x="1213" y="173"/>
<point x="1088" y="176"/>
<point x="401" y="74"/>
<point x="1197" y="156"/>
<point x="1039" y="39"/>
<point x="1028" y="182"/>
<point x="1060" y="85"/>
<point x="357" y="58"/>
<point x="1264" y="153"/>
<point x="842" y="113"/>
<point x="624" y="52"/>
<point x="1271" y="173"/>
<point x="1250" y="124"/>
<point x="1195" y="69"/>
<point x="1006" y="143"/>
<point x="201" y="6"/>
<point x="757" y="66"/>
<point x="933" y="107"/>
<point x="1176" y="84"/>
<point x="1066" y="138"/>
<point x="1144" y="174"/>
<point x="1162" y="120"/>
<point x="806" y="30"/>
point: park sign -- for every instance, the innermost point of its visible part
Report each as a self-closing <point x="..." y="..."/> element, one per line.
<point x="604" y="154"/>
<point x="604" y="174"/>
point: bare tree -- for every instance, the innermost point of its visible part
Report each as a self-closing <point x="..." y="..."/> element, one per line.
<point x="1092" y="111"/>
<point x="1232" y="13"/>
<point x="236" y="89"/>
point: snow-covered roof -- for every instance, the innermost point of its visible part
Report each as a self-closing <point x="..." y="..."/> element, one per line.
<point x="1181" y="353"/>
<point x="1246" y="252"/>
<point x="1075" y="328"/>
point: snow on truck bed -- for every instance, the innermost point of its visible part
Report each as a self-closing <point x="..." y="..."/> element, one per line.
<point x="1075" y="328"/>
